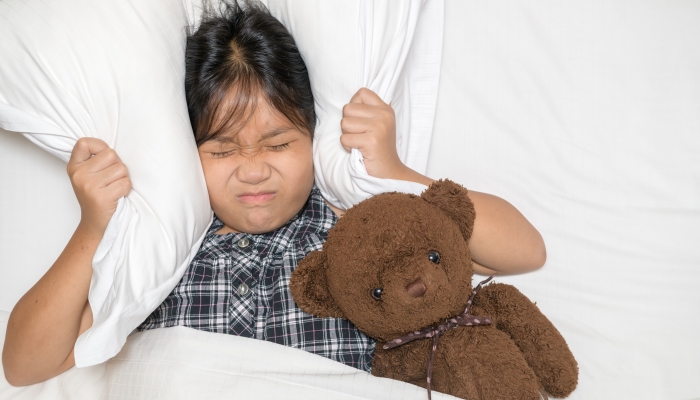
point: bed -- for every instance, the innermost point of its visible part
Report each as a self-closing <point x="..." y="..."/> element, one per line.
<point x="584" y="115"/>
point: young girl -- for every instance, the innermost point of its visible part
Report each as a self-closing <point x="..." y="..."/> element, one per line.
<point x="252" y="112"/>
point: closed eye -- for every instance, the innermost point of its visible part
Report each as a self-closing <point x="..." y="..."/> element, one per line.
<point x="279" y="146"/>
<point x="221" y="154"/>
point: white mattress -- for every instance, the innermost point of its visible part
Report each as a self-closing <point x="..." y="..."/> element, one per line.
<point x="585" y="116"/>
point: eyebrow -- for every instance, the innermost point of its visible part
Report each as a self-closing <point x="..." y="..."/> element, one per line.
<point x="264" y="136"/>
<point x="274" y="132"/>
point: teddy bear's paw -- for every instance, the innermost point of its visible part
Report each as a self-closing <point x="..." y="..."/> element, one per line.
<point x="484" y="364"/>
<point x="556" y="369"/>
<point x="481" y="391"/>
<point x="561" y="384"/>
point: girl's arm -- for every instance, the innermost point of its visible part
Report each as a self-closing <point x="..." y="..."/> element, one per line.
<point x="48" y="319"/>
<point x="46" y="322"/>
<point x="503" y="240"/>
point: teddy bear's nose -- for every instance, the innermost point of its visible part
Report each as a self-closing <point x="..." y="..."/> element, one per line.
<point x="416" y="288"/>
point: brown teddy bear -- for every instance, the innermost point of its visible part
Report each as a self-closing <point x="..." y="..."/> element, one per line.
<point x="398" y="267"/>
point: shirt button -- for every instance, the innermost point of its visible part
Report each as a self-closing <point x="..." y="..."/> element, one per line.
<point x="243" y="243"/>
<point x="243" y="289"/>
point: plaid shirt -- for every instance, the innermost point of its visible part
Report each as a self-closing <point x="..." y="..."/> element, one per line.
<point x="238" y="284"/>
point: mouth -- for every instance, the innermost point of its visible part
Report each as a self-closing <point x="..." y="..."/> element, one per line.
<point x="256" y="198"/>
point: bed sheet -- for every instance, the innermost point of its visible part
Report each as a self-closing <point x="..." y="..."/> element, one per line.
<point x="586" y="116"/>
<point x="183" y="363"/>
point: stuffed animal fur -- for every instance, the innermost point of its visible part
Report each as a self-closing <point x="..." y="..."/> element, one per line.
<point x="396" y="263"/>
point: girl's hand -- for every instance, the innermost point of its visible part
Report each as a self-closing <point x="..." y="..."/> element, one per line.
<point x="99" y="179"/>
<point x="369" y="125"/>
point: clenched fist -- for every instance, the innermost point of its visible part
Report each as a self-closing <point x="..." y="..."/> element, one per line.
<point x="99" y="179"/>
<point x="369" y="125"/>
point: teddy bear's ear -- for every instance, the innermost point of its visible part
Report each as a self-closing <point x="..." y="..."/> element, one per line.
<point x="309" y="287"/>
<point x="451" y="198"/>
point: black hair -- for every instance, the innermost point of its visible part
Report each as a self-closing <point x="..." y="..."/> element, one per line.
<point x="238" y="52"/>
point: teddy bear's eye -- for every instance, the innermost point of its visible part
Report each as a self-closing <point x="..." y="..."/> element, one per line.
<point x="377" y="293"/>
<point x="434" y="257"/>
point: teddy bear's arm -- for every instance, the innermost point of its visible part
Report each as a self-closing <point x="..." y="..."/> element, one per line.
<point x="543" y="347"/>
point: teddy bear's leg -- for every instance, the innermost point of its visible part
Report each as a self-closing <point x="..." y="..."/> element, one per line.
<point x="542" y="346"/>
<point x="483" y="363"/>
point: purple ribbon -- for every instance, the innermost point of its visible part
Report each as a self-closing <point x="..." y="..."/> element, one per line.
<point x="435" y="332"/>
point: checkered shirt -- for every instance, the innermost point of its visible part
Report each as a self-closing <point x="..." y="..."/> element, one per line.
<point x="238" y="284"/>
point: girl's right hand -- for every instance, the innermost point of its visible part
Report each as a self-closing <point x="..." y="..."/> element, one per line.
<point x="99" y="179"/>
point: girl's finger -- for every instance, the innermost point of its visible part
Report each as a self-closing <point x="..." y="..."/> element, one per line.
<point x="84" y="149"/>
<point x="355" y="141"/>
<point x="112" y="174"/>
<point x="102" y="160"/>
<point x="351" y="141"/>
<point x="356" y="125"/>
<point x="366" y="96"/>
<point x="361" y="110"/>
<point x="120" y="187"/>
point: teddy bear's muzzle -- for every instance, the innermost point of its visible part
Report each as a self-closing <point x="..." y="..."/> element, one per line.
<point x="416" y="288"/>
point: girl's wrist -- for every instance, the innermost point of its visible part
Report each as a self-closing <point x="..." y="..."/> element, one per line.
<point x="407" y="174"/>
<point x="90" y="230"/>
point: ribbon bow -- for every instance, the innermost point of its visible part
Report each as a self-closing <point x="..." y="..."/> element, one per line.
<point x="464" y="319"/>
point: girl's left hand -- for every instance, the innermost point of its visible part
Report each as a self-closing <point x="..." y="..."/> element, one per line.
<point x="369" y="125"/>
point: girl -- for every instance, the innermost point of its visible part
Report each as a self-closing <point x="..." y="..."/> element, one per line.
<point x="253" y="117"/>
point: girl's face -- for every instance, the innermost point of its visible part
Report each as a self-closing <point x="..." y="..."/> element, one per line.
<point x="261" y="176"/>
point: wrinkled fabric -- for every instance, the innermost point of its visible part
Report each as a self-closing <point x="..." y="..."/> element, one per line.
<point x="113" y="71"/>
<point x="393" y="48"/>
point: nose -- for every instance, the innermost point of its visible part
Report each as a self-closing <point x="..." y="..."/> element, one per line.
<point x="416" y="288"/>
<point x="253" y="171"/>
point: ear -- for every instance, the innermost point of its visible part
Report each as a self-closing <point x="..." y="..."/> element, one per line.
<point x="451" y="198"/>
<point x="309" y="287"/>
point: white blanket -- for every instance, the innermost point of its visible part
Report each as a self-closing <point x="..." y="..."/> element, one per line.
<point x="182" y="363"/>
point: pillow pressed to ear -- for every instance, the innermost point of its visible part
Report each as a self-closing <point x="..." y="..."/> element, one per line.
<point x="113" y="70"/>
<point x="391" y="47"/>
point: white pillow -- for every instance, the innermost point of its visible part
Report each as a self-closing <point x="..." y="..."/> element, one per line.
<point x="113" y="70"/>
<point x="391" y="47"/>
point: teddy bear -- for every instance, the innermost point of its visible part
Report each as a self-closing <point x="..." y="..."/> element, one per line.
<point x="398" y="267"/>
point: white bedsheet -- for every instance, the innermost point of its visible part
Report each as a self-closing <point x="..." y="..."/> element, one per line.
<point x="183" y="363"/>
<point x="586" y="116"/>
